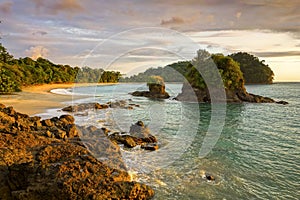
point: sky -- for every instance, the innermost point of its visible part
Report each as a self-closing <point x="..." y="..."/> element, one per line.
<point x="131" y="36"/>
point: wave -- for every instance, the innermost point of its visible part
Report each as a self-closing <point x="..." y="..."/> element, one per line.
<point x="68" y="91"/>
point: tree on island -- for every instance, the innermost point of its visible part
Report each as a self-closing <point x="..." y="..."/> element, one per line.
<point x="195" y="88"/>
<point x="254" y="70"/>
<point x="156" y="84"/>
<point x="156" y="87"/>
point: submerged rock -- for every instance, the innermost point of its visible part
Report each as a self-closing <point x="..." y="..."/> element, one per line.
<point x="47" y="160"/>
<point x="209" y="177"/>
<point x="282" y="102"/>
<point x="97" y="106"/>
<point x="150" y="95"/>
<point x="150" y="147"/>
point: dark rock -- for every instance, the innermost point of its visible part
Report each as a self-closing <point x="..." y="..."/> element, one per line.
<point x="70" y="109"/>
<point x="156" y="87"/>
<point x="140" y="123"/>
<point x="210" y="177"/>
<point x="135" y="105"/>
<point x="105" y="106"/>
<point x="88" y="106"/>
<point x="105" y="131"/>
<point x="150" y="95"/>
<point x="98" y="106"/>
<point x="47" y="122"/>
<point x="60" y="134"/>
<point x="191" y="94"/>
<point x="72" y="131"/>
<point x="129" y="141"/>
<point x="138" y="135"/>
<point x="282" y="102"/>
<point x="9" y="111"/>
<point x="67" y="119"/>
<point x="150" y="147"/>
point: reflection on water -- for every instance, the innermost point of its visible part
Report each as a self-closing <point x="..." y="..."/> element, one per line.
<point x="256" y="157"/>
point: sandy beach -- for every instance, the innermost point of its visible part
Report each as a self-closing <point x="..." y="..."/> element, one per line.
<point x="37" y="99"/>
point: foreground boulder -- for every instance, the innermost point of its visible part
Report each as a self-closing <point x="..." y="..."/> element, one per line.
<point x="46" y="159"/>
<point x="156" y="87"/>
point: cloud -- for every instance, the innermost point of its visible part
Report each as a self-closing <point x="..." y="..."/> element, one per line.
<point x="5" y="7"/>
<point x="42" y="33"/>
<point x="36" y="52"/>
<point x="278" y="54"/>
<point x="68" y="5"/>
<point x="172" y="21"/>
<point x="58" y="6"/>
<point x="238" y="15"/>
<point x="272" y="3"/>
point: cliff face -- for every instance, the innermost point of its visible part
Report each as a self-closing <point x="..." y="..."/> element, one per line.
<point x="45" y="159"/>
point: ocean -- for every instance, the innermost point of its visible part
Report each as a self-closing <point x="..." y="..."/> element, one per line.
<point x="256" y="154"/>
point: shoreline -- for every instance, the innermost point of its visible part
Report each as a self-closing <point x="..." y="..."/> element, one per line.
<point x="37" y="99"/>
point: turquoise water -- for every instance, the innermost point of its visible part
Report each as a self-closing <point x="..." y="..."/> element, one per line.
<point x="257" y="155"/>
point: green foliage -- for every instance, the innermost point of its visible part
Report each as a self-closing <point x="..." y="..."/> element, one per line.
<point x="5" y="57"/>
<point x="204" y="63"/>
<point x="230" y="71"/>
<point x="254" y="70"/>
<point x="7" y="84"/>
<point x="157" y="80"/>
<point x="171" y="73"/>
<point x="89" y="75"/>
<point x="25" y="71"/>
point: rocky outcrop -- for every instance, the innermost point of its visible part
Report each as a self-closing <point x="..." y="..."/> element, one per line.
<point x="97" y="106"/>
<point x="150" y="94"/>
<point x="46" y="159"/>
<point x="190" y="94"/>
<point x="138" y="134"/>
<point x="157" y="89"/>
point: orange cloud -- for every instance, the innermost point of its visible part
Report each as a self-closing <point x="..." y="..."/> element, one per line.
<point x="5" y="7"/>
<point x="56" y="6"/>
<point x="68" y="5"/>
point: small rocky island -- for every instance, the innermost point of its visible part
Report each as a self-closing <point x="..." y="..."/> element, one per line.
<point x="195" y="89"/>
<point x="48" y="159"/>
<point x="157" y="89"/>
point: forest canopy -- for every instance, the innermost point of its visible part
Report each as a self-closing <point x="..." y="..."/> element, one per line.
<point x="15" y="73"/>
<point x="253" y="70"/>
<point x="228" y="69"/>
